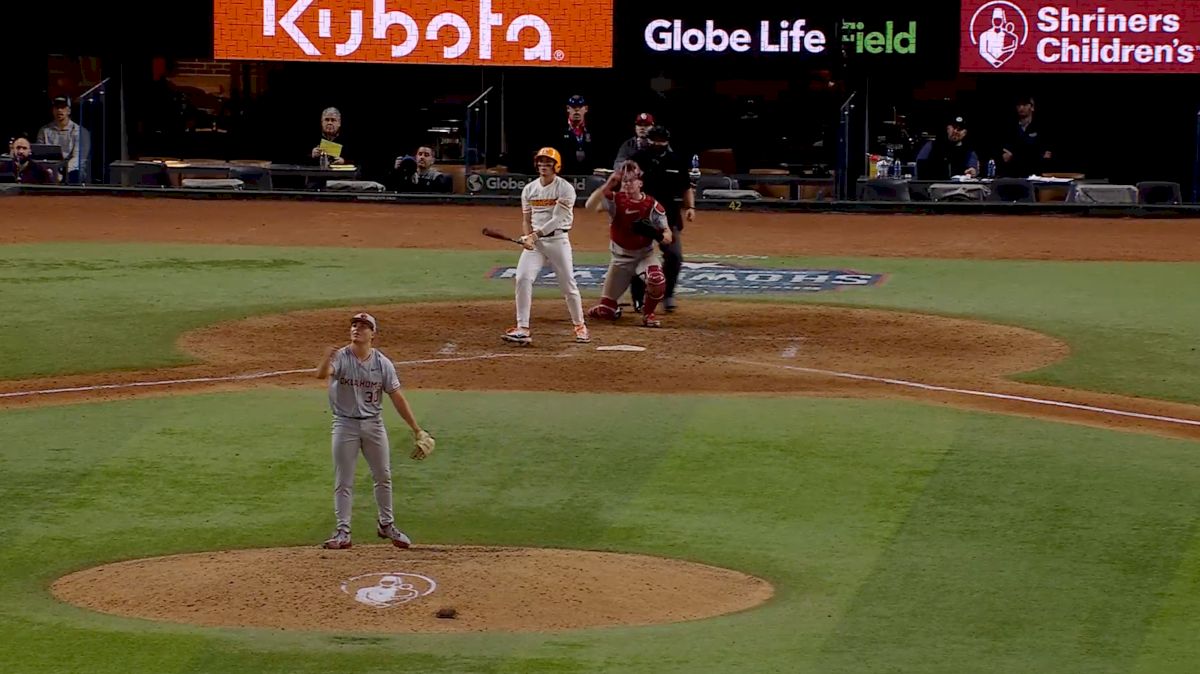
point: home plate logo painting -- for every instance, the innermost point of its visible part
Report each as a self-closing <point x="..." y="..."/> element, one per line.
<point x="385" y="590"/>
<point x="718" y="278"/>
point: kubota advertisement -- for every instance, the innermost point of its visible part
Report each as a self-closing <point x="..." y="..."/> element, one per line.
<point x="451" y="32"/>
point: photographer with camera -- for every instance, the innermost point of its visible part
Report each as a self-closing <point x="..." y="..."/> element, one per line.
<point x="418" y="174"/>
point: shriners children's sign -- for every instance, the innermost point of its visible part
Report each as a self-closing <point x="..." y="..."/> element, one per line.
<point x="1119" y="36"/>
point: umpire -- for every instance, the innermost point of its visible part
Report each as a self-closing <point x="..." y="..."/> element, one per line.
<point x="665" y="177"/>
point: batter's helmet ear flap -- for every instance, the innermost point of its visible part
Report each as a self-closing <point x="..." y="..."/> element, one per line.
<point x="551" y="153"/>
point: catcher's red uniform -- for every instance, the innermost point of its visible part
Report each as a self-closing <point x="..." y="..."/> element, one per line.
<point x="624" y="212"/>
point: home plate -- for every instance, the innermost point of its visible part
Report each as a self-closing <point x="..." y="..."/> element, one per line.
<point x="621" y="347"/>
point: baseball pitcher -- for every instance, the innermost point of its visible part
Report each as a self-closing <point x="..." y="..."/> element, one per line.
<point x="636" y="222"/>
<point x="359" y="375"/>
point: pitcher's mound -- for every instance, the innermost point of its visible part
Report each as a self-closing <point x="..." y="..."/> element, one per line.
<point x="377" y="588"/>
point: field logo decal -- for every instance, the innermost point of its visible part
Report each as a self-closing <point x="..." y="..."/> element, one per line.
<point x="721" y="279"/>
<point x="385" y="590"/>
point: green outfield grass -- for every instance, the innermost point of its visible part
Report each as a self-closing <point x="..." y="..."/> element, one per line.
<point x="900" y="537"/>
<point x="95" y="307"/>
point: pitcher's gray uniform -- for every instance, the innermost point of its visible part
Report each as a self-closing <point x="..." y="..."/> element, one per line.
<point x="356" y="393"/>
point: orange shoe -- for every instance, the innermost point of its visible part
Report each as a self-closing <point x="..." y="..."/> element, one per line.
<point x="582" y="334"/>
<point x="518" y="335"/>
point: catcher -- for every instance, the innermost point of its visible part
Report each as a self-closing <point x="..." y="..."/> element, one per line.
<point x="359" y="377"/>
<point x="636" y="222"/>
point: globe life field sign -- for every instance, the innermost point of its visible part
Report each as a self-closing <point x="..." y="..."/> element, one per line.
<point x="765" y="38"/>
<point x="892" y="39"/>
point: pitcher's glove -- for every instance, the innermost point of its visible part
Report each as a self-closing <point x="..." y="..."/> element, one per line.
<point x="423" y="444"/>
<point x="647" y="229"/>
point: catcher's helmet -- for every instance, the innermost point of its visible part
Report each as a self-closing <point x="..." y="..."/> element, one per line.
<point x="551" y="153"/>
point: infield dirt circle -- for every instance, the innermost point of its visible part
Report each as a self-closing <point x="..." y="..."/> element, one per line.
<point x="377" y="588"/>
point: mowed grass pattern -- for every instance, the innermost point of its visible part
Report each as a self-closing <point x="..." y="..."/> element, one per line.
<point x="900" y="537"/>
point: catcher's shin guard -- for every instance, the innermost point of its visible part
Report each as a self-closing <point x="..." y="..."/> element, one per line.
<point x="656" y="288"/>
<point x="607" y="309"/>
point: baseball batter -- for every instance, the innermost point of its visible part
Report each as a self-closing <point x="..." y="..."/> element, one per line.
<point x="547" y="214"/>
<point x="636" y="222"/>
<point x="359" y="375"/>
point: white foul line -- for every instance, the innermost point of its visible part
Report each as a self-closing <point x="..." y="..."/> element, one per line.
<point x="486" y="356"/>
<point x="241" y="377"/>
<point x="970" y="392"/>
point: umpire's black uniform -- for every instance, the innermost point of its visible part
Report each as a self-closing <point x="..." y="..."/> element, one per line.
<point x="664" y="177"/>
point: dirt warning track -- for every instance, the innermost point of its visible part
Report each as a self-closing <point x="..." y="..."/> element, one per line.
<point x="34" y="219"/>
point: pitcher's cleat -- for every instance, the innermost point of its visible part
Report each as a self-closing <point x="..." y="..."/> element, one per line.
<point x="397" y="537"/>
<point x="340" y="540"/>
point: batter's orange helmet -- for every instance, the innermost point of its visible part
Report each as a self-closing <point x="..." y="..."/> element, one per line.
<point x="551" y="153"/>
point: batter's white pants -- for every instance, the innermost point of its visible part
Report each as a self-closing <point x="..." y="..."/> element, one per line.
<point x="557" y="251"/>
<point x="370" y="437"/>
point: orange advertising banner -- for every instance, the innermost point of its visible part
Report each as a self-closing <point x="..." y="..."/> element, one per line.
<point x="560" y="33"/>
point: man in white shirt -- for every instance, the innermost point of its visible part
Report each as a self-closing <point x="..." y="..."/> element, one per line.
<point x="547" y="214"/>
<point x="75" y="141"/>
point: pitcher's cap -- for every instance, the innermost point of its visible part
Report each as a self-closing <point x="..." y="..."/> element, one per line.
<point x="366" y="318"/>
<point x="644" y="119"/>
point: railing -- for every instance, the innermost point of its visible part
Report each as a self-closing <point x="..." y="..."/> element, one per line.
<point x="1196" y="165"/>
<point x="843" y="154"/>
<point x="472" y="154"/>
<point x="96" y="93"/>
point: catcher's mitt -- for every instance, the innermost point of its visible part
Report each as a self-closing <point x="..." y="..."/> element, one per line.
<point x="423" y="444"/>
<point x="645" y="228"/>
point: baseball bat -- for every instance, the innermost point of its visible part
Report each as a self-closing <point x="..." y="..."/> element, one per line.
<point x="496" y="234"/>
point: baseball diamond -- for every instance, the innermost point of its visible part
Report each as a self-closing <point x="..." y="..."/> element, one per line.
<point x="978" y="454"/>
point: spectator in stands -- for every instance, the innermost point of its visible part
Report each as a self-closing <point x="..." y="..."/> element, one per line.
<point x="1025" y="151"/>
<point x="21" y="167"/>
<point x="75" y="141"/>
<point x="580" y="156"/>
<point x="419" y="174"/>
<point x="331" y="132"/>
<point x="950" y="155"/>
<point x="641" y="126"/>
